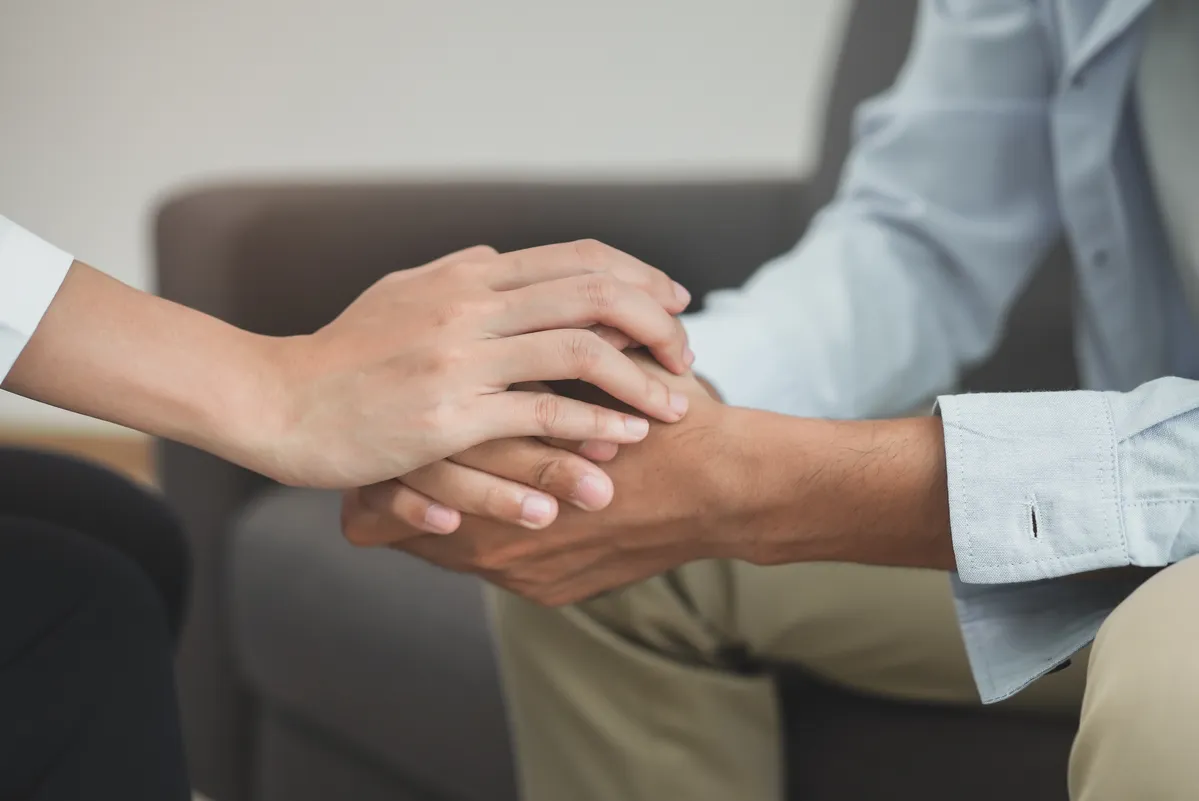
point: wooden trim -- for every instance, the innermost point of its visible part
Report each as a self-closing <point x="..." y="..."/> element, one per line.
<point x="129" y="454"/>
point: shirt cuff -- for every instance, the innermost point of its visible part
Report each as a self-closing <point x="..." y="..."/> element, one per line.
<point x="31" y="272"/>
<point x="1033" y="485"/>
<point x="1016" y="633"/>
<point x="1034" y="496"/>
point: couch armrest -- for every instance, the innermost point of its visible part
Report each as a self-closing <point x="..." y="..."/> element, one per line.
<point x="286" y="258"/>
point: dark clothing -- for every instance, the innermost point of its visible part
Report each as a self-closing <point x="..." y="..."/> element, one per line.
<point x="93" y="577"/>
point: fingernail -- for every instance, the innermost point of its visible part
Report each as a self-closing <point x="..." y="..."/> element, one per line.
<point x="536" y="509"/>
<point x="681" y="293"/>
<point x="598" y="451"/>
<point x="636" y="427"/>
<point x="678" y="403"/>
<point x="592" y="492"/>
<point x="688" y="356"/>
<point x="441" y="518"/>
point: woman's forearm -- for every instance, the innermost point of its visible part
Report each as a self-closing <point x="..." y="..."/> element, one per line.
<point x="109" y="351"/>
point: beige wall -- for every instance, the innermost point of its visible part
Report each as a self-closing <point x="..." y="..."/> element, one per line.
<point x="105" y="105"/>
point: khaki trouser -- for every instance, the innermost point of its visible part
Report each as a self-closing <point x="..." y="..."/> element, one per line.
<point x="635" y="696"/>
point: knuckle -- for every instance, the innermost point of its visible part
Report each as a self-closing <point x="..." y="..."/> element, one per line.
<point x="601" y="291"/>
<point x="437" y="418"/>
<point x="476" y="252"/>
<point x="547" y="412"/>
<point x="450" y="312"/>
<point x="582" y="350"/>
<point x="549" y="472"/>
<point x="447" y="359"/>
<point x="591" y="252"/>
<point x="599" y="419"/>
<point x="393" y="278"/>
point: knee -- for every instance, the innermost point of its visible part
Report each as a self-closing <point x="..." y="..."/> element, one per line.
<point x="1140" y="714"/>
<point x="103" y="605"/>
<point x="123" y="602"/>
<point x="89" y="499"/>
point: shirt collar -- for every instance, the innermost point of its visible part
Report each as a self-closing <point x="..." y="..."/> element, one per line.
<point x="1092" y="25"/>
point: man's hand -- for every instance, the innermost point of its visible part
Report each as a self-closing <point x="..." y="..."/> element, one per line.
<point x="667" y="510"/>
<point x="518" y="481"/>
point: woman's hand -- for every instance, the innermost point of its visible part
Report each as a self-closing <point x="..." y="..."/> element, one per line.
<point x="518" y="481"/>
<point x="418" y="368"/>
<point x="415" y="370"/>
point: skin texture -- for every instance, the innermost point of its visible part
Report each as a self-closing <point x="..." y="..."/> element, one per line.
<point x="723" y="483"/>
<point x="417" y="369"/>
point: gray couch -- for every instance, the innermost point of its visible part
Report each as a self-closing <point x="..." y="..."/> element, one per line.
<point x="311" y="671"/>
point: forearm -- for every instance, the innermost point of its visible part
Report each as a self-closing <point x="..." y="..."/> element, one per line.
<point x="870" y="492"/>
<point x="866" y="492"/>
<point x="109" y="351"/>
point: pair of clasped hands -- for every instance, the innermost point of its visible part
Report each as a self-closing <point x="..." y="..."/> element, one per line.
<point x="453" y="356"/>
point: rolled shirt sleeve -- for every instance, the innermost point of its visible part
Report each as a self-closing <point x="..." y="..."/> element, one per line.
<point x="1046" y="485"/>
<point x="31" y="271"/>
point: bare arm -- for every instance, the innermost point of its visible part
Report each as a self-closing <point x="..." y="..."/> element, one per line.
<point x="868" y="492"/>
<point x="872" y="492"/>
<point x="415" y="370"/>
<point x="109" y="351"/>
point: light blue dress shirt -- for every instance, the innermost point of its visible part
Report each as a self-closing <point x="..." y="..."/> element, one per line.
<point x="1011" y="124"/>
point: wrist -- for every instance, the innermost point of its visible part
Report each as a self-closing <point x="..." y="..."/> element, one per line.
<point x="821" y="490"/>
<point x="246" y="420"/>
<point x="740" y="480"/>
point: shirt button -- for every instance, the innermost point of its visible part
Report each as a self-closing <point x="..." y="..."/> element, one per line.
<point x="1078" y="81"/>
<point x="1101" y="258"/>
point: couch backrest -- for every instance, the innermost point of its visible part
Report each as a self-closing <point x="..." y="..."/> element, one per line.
<point x="286" y="258"/>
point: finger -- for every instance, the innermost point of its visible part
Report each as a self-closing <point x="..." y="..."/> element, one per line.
<point x="482" y="494"/>
<point x="551" y="262"/>
<point x="613" y="337"/>
<point x="593" y="451"/>
<point x="396" y="505"/>
<point x="579" y="354"/>
<point x="588" y="300"/>
<point x="533" y="414"/>
<point x="531" y="463"/>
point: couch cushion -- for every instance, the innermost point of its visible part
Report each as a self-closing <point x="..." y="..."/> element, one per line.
<point x="381" y="650"/>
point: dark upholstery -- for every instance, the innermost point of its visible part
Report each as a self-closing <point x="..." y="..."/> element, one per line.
<point x="314" y="671"/>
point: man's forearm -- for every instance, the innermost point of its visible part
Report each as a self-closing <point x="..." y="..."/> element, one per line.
<point x="871" y="492"/>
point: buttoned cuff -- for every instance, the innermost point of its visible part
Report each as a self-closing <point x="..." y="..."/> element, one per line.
<point x="31" y="272"/>
<point x="1033" y="485"/>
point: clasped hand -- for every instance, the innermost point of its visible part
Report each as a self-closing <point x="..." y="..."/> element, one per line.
<point x="670" y="507"/>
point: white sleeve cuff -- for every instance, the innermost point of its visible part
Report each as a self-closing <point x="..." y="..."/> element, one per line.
<point x="31" y="271"/>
